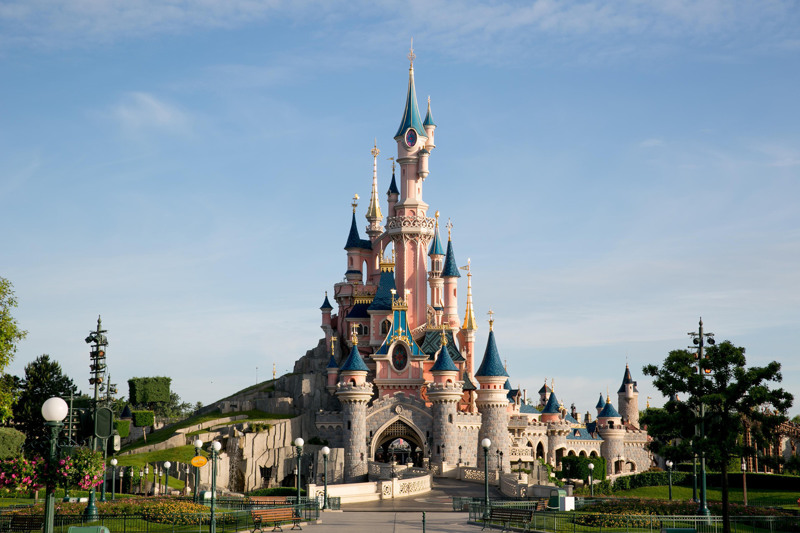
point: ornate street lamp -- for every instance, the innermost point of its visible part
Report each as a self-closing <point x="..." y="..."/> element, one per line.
<point x="114" y="478"/>
<point x="486" y="443"/>
<point x="325" y="452"/>
<point x="459" y="455"/>
<point x="669" y="469"/>
<point x="591" y="480"/>
<point x="167" y="464"/>
<point x="146" y="475"/>
<point x="198" y="444"/>
<point x="699" y="339"/>
<point x="298" y="443"/>
<point x="54" y="410"/>
<point x="519" y="469"/>
<point x="216" y="446"/>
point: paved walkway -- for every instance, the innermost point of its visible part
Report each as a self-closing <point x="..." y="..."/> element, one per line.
<point x="391" y="522"/>
<point x="439" y="499"/>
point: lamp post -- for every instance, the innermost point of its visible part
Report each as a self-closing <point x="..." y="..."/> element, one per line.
<point x="54" y="410"/>
<point x="197" y="445"/>
<point x="325" y="452"/>
<point x="141" y="481"/>
<point x="216" y="446"/>
<point x="114" y="478"/>
<point x="486" y="443"/>
<point x="699" y="339"/>
<point x="298" y="444"/>
<point x="519" y="469"/>
<point x="669" y="469"/>
<point x="744" y="480"/>
<point x="591" y="480"/>
<point x="459" y="455"/>
<point x="167" y="464"/>
<point x="497" y="454"/>
<point x="146" y="475"/>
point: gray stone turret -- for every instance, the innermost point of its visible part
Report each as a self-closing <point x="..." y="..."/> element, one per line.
<point x="492" y="403"/>
<point x="354" y="392"/>
<point x="444" y="393"/>
<point x="628" y="400"/>
<point x="609" y="425"/>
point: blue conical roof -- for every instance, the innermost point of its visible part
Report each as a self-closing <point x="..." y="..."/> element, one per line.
<point x="552" y="406"/>
<point x="429" y="116"/>
<point x="354" y="240"/>
<point x="436" y="245"/>
<point x="601" y="402"/>
<point x="411" y="112"/>
<point x="450" y="269"/>
<point x="491" y="364"/>
<point x="383" y="295"/>
<point x="507" y="385"/>
<point x="444" y="362"/>
<point x="354" y="362"/>
<point x="326" y="304"/>
<point x="332" y="363"/>
<point x="609" y="412"/>
<point x="393" y="186"/>
<point x="627" y="380"/>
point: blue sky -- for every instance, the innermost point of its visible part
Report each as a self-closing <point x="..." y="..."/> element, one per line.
<point x="614" y="171"/>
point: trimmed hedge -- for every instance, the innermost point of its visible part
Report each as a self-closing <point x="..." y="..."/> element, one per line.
<point x="143" y="418"/>
<point x="145" y="391"/>
<point x="11" y="442"/>
<point x="576" y="467"/>
<point x="277" y="491"/>
<point x="123" y="427"/>
<point x="754" y="480"/>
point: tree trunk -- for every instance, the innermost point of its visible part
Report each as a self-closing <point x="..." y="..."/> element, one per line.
<point x="726" y="517"/>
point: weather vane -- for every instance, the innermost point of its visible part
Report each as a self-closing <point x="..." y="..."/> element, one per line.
<point x="411" y="55"/>
<point x="355" y="202"/>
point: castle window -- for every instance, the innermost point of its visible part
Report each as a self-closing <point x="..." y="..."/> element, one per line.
<point x="450" y="418"/>
<point x="362" y="329"/>
<point x="349" y="425"/>
<point x="611" y="423"/>
<point x="385" y="327"/>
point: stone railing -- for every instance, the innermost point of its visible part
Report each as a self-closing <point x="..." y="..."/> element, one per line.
<point x="511" y="485"/>
<point x="425" y="224"/>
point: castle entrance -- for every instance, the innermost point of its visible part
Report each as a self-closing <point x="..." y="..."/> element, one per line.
<point x="399" y="442"/>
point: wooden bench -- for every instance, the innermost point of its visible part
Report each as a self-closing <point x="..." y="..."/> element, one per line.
<point x="507" y="515"/>
<point x="275" y="516"/>
<point x="23" y="522"/>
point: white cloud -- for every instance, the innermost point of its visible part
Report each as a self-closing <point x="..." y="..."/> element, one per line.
<point x="651" y="143"/>
<point x="139" y="110"/>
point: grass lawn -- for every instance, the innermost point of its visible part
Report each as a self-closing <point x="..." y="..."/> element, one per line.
<point x="754" y="496"/>
<point x="165" y="433"/>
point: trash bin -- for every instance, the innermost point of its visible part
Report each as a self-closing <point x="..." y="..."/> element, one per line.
<point x="555" y="497"/>
<point x="88" y="529"/>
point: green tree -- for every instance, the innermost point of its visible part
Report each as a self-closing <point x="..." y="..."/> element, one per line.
<point x="10" y="335"/>
<point x="734" y="396"/>
<point x="43" y="379"/>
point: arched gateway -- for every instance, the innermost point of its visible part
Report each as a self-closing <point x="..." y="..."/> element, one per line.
<point x="398" y="441"/>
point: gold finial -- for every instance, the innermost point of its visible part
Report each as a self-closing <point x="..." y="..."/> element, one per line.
<point x="273" y="371"/>
<point x="437" y="217"/>
<point x="374" y="214"/>
<point x="333" y="344"/>
<point x="469" y="315"/>
<point x="608" y="395"/>
<point x="505" y="365"/>
<point x="553" y="384"/>
<point x="429" y="100"/>
<point x="491" y="319"/>
<point x="375" y="150"/>
<point x="354" y="336"/>
<point x="444" y="338"/>
<point x="411" y="55"/>
<point x="355" y="202"/>
<point x="648" y="402"/>
<point x="393" y="259"/>
<point x="392" y="160"/>
<point x="449" y="229"/>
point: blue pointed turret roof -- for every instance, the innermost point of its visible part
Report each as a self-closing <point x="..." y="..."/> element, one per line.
<point x="507" y="384"/>
<point x="609" y="412"/>
<point x="326" y="304"/>
<point x="436" y="244"/>
<point x="354" y="362"/>
<point x="383" y="295"/>
<point x="433" y="341"/>
<point x="411" y="111"/>
<point x="354" y="240"/>
<point x="627" y="380"/>
<point x="332" y="363"/>
<point x="393" y="186"/>
<point x="552" y="406"/>
<point x="450" y="269"/>
<point x="429" y="116"/>
<point x="468" y="383"/>
<point x="601" y="402"/>
<point x="491" y="364"/>
<point x="444" y="362"/>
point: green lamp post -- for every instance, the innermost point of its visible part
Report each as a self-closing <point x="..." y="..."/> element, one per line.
<point x="298" y="443"/>
<point x="325" y="452"/>
<point x="54" y="410"/>
<point x="486" y="443"/>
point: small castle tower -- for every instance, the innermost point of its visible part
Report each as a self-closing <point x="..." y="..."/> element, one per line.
<point x="628" y="399"/>
<point x="601" y="404"/>
<point x="326" y="309"/>
<point x="393" y="193"/>
<point x="444" y="393"/>
<point x="492" y="401"/>
<point x="357" y="249"/>
<point x="609" y="425"/>
<point x="544" y="393"/>
<point x="450" y="274"/>
<point x="354" y="392"/>
<point x="435" y="280"/>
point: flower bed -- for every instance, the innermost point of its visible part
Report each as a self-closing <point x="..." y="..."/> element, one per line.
<point x="631" y="506"/>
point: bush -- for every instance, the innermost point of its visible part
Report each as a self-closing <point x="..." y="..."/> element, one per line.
<point x="276" y="491"/>
<point x="123" y="427"/>
<point x="578" y="467"/>
<point x="258" y="427"/>
<point x="11" y="442"/>
<point x="143" y="418"/>
<point x="649" y="479"/>
<point x="144" y="391"/>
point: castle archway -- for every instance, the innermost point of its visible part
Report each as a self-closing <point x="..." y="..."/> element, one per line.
<point x="398" y="439"/>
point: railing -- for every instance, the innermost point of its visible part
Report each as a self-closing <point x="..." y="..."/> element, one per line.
<point x="562" y="522"/>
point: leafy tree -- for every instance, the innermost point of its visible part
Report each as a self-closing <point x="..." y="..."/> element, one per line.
<point x="796" y="420"/>
<point x="10" y="335"/>
<point x="173" y="408"/>
<point x="734" y="397"/>
<point x="43" y="379"/>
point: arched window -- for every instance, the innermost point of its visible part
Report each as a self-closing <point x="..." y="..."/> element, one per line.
<point x="385" y="327"/>
<point x="450" y="418"/>
<point x="349" y="425"/>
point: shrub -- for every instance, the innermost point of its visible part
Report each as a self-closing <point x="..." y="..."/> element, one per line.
<point x="578" y="467"/>
<point x="123" y="427"/>
<point x="143" y="418"/>
<point x="276" y="491"/>
<point x="258" y="427"/>
<point x="649" y="479"/>
<point x="11" y="442"/>
<point x="144" y="391"/>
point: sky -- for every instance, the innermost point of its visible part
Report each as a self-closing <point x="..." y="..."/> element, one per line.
<point x="613" y="170"/>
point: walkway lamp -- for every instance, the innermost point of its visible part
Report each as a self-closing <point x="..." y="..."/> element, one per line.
<point x="459" y="455"/>
<point x="591" y="480"/>
<point x="216" y="446"/>
<point x="298" y="444"/>
<point x="486" y="443"/>
<point x="325" y="452"/>
<point x="198" y="444"/>
<point x="54" y="410"/>
<point x="669" y="469"/>
<point x="497" y="454"/>
<point x="744" y="480"/>
<point x="114" y="478"/>
<point x="141" y="480"/>
<point x="167" y="464"/>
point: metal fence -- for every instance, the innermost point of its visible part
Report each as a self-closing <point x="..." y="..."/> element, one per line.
<point x="564" y="522"/>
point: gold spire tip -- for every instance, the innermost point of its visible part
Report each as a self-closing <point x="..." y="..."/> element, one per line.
<point x="355" y="202"/>
<point x="449" y="229"/>
<point x="375" y="150"/>
<point x="491" y="320"/>
<point x="411" y="55"/>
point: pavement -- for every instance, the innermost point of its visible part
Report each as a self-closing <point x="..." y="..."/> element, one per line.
<point x="439" y="499"/>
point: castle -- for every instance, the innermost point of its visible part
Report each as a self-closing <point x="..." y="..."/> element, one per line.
<point x="402" y="362"/>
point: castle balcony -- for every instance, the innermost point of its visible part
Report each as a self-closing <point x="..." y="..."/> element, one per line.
<point x="525" y="453"/>
<point x="416" y="224"/>
<point x="516" y="422"/>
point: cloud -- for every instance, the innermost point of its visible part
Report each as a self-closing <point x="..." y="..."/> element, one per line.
<point x="651" y="143"/>
<point x="138" y="111"/>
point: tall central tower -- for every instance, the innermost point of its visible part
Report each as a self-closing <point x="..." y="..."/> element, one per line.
<point x="407" y="225"/>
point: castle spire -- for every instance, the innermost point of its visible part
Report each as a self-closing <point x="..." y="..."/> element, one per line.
<point x="374" y="215"/>
<point x="411" y="117"/>
<point x="469" y="315"/>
